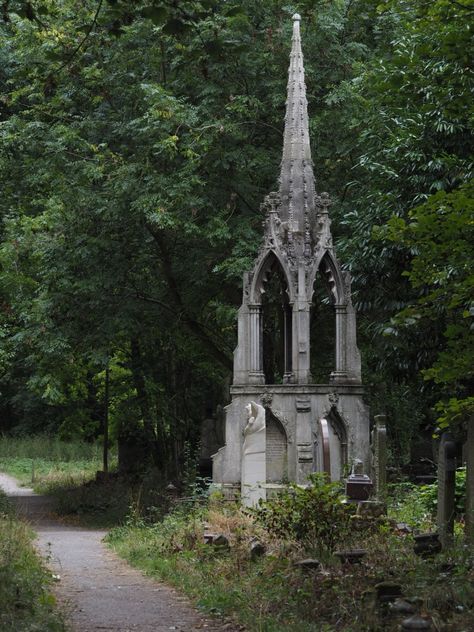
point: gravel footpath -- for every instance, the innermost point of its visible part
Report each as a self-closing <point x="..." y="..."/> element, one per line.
<point x="98" y="591"/>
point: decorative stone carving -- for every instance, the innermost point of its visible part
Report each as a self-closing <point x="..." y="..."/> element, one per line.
<point x="297" y="240"/>
<point x="303" y="404"/>
<point x="284" y="422"/>
<point x="266" y="398"/>
<point x="253" y="458"/>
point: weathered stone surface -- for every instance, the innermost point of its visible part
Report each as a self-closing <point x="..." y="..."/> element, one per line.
<point x="257" y="550"/>
<point x="427" y="544"/>
<point x="351" y="556"/>
<point x="297" y="242"/>
<point x="388" y="591"/>
<point x="379" y="456"/>
<point x="371" y="509"/>
<point x="470" y="482"/>
<point x="254" y="456"/>
<point x="221" y="540"/>
<point x="400" y="606"/>
<point x="416" y="623"/>
<point x="446" y="487"/>
<point x="309" y="564"/>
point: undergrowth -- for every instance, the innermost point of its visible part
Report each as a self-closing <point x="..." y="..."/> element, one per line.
<point x="45" y="462"/>
<point x="273" y="594"/>
<point x="26" y="604"/>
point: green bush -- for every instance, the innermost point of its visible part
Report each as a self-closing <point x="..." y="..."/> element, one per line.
<point x="26" y="603"/>
<point x="417" y="504"/>
<point x="315" y="516"/>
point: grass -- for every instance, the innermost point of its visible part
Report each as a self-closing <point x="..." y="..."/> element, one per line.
<point x="272" y="595"/>
<point x="26" y="603"/>
<point x="45" y="462"/>
<point x="66" y="471"/>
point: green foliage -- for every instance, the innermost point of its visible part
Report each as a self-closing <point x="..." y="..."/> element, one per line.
<point x="442" y="233"/>
<point x="272" y="594"/>
<point x="416" y="505"/>
<point x="138" y="138"/>
<point x="315" y="515"/>
<point x="26" y="603"/>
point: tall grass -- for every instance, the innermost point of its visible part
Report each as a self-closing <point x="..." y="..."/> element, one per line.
<point x="25" y="601"/>
<point x="49" y="448"/>
<point x="46" y="462"/>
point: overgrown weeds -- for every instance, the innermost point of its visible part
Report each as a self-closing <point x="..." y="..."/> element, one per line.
<point x="26" y="603"/>
<point x="272" y="593"/>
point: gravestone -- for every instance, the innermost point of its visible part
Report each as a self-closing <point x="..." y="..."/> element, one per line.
<point x="254" y="470"/>
<point x="379" y="448"/>
<point x="470" y="482"/>
<point x="446" y="486"/>
<point x="276" y="451"/>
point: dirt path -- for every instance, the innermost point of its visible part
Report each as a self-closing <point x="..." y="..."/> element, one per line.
<point x="101" y="592"/>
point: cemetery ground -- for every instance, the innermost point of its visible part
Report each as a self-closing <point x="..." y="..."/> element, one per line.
<point x="172" y="538"/>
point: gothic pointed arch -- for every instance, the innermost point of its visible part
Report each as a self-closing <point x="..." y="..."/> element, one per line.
<point x="330" y="270"/>
<point x="266" y="265"/>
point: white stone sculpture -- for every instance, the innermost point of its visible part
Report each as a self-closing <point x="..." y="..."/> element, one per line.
<point x="254" y="456"/>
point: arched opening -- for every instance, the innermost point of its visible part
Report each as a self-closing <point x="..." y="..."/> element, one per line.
<point x="323" y="328"/>
<point x="276" y="325"/>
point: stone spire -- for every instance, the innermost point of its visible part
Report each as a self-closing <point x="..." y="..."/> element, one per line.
<point x="296" y="175"/>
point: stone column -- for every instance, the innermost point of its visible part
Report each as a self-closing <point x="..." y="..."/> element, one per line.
<point x="340" y="372"/>
<point x="256" y="375"/>
<point x="379" y="448"/>
<point x="446" y="487"/>
<point x="288" y="324"/>
<point x="470" y="482"/>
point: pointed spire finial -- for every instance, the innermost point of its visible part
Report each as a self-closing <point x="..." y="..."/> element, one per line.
<point x="296" y="175"/>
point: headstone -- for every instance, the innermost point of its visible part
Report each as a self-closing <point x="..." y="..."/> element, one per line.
<point x="276" y="452"/>
<point x="351" y="556"/>
<point x="256" y="550"/>
<point x="308" y="564"/>
<point x="379" y="448"/>
<point x="254" y="471"/>
<point x="388" y="592"/>
<point x="326" y="450"/>
<point x="470" y="482"/>
<point x="446" y="487"/>
<point x="427" y="544"/>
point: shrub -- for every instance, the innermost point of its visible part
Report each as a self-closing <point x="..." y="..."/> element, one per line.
<point x="417" y="504"/>
<point x="315" y="516"/>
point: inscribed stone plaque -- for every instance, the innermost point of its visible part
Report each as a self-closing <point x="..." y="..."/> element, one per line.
<point x="276" y="449"/>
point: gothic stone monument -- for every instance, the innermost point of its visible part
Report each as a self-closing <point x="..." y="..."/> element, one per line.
<point x="308" y="426"/>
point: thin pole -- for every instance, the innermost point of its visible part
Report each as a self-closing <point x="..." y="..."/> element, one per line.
<point x="106" y="418"/>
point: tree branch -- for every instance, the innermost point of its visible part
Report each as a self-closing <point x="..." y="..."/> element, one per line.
<point x="193" y="325"/>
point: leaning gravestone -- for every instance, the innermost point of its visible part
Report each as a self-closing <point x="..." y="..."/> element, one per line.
<point x="470" y="482"/>
<point x="254" y="471"/>
<point x="446" y="487"/>
<point x="379" y="447"/>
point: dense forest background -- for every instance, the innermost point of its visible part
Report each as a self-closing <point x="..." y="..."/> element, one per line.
<point x="137" y="141"/>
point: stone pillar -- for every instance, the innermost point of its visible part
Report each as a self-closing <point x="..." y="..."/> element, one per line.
<point x="304" y="443"/>
<point x="340" y="372"/>
<point x="288" y="324"/>
<point x="379" y="448"/>
<point x="446" y="487"/>
<point x="470" y="482"/>
<point x="256" y="375"/>
<point x="301" y="343"/>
